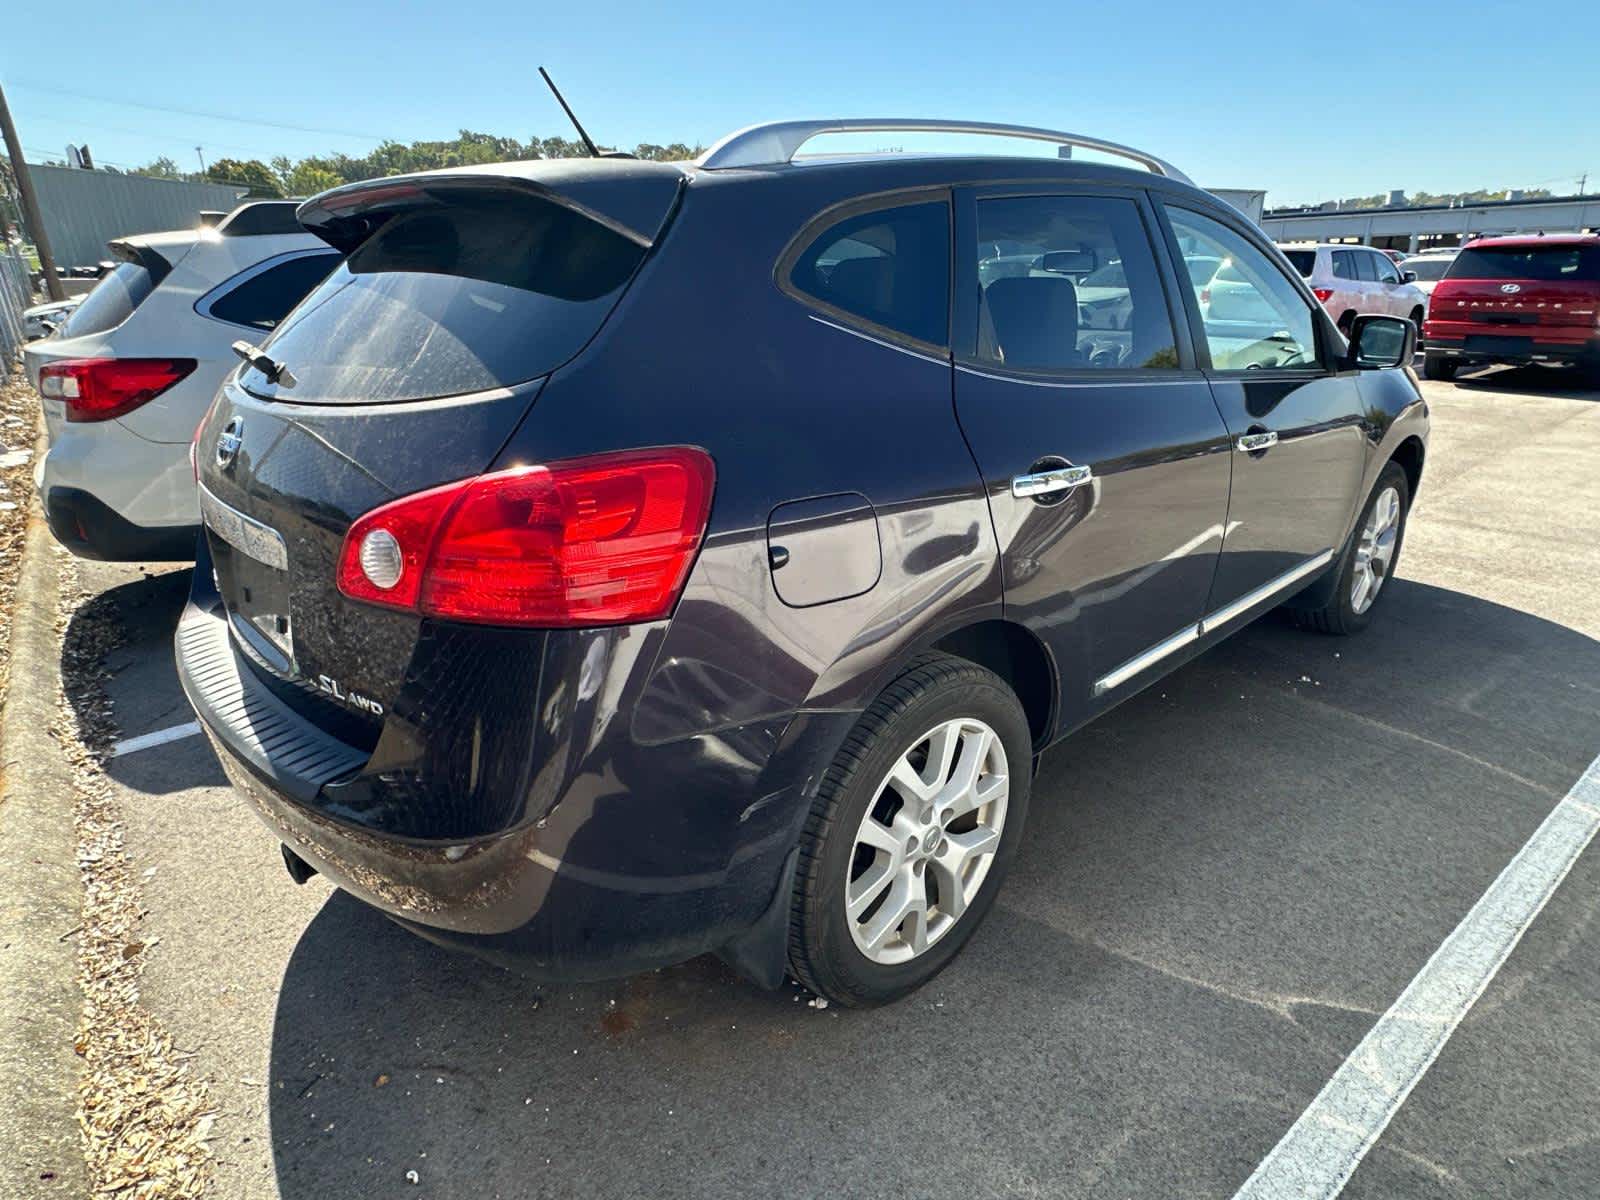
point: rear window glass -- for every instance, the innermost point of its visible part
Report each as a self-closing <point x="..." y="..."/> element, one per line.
<point x="1304" y="261"/>
<point x="111" y="302"/>
<point x="889" y="266"/>
<point x="488" y="291"/>
<point x="266" y="297"/>
<point x="1545" y="263"/>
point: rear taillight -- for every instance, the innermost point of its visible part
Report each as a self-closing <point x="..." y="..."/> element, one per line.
<point x="1323" y="295"/>
<point x="101" y="389"/>
<point x="589" y="541"/>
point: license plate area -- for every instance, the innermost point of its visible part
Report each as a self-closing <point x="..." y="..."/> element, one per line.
<point x="251" y="562"/>
<point x="1487" y="344"/>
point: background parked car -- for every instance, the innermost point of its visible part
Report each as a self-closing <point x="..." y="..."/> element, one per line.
<point x="1429" y="268"/>
<point x="1521" y="300"/>
<point x="129" y="375"/>
<point x="1354" y="280"/>
<point x="44" y="319"/>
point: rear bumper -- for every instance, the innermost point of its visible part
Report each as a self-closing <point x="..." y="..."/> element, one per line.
<point x="1476" y="342"/>
<point x="90" y="529"/>
<point x="587" y="892"/>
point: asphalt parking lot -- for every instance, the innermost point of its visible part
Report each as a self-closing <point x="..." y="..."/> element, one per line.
<point x="1225" y="883"/>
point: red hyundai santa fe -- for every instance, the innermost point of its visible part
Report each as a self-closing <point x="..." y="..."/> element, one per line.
<point x="1518" y="300"/>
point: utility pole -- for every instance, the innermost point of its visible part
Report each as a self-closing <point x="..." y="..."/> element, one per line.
<point x="30" y="203"/>
<point x="202" y="159"/>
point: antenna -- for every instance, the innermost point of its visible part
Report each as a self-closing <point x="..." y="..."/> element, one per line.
<point x="594" y="151"/>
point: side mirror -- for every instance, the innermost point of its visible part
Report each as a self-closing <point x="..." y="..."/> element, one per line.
<point x="1377" y="342"/>
<point x="1068" y="262"/>
<point x="1408" y="276"/>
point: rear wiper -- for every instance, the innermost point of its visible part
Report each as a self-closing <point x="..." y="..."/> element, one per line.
<point x="275" y="371"/>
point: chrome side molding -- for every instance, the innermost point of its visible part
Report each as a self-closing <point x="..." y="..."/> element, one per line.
<point x="1208" y="624"/>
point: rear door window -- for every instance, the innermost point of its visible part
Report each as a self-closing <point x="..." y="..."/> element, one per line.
<point x="1070" y="283"/>
<point x="1366" y="271"/>
<point x="1547" y="264"/>
<point x="889" y="267"/>
<point x="111" y="302"/>
<point x="1344" y="265"/>
<point x="484" y="290"/>
<point x="264" y="297"/>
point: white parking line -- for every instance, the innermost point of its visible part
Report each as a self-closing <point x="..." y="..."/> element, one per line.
<point x="174" y="733"/>
<point x="1323" y="1148"/>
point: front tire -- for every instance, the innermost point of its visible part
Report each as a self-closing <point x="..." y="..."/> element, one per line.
<point x="911" y="833"/>
<point x="1368" y="561"/>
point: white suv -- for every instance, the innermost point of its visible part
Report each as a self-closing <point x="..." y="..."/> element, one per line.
<point x="1352" y="281"/>
<point x="127" y="378"/>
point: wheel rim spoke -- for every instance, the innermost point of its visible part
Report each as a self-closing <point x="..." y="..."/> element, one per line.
<point x="923" y="873"/>
<point x="1375" y="549"/>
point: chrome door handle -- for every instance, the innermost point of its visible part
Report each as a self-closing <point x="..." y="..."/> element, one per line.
<point x="1051" y="482"/>
<point x="1254" y="443"/>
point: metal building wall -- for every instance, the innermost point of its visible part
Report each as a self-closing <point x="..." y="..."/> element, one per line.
<point x="83" y="210"/>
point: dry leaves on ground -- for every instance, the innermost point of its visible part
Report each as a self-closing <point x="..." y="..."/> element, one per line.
<point x="146" y="1114"/>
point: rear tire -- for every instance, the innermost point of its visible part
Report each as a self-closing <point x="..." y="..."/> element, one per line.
<point x="1368" y="561"/>
<point x="1436" y="366"/>
<point x="920" y="814"/>
<point x="1417" y="319"/>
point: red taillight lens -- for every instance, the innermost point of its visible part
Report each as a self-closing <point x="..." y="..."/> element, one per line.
<point x="590" y="541"/>
<point x="101" y="389"/>
<point x="1322" y="294"/>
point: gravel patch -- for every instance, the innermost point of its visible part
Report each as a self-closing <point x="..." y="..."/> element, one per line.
<point x="19" y="416"/>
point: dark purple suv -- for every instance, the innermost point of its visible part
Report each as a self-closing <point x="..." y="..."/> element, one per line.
<point x="617" y="561"/>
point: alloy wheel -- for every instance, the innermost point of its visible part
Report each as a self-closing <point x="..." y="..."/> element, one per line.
<point x="927" y="841"/>
<point x="1375" y="550"/>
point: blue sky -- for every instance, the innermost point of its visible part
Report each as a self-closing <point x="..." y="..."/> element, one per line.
<point x="1307" y="101"/>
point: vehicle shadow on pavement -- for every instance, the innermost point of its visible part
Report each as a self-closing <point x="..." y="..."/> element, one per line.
<point x="1223" y="884"/>
<point x="1567" y="383"/>
<point x="141" y="681"/>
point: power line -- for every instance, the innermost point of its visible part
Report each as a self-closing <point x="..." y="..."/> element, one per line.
<point x="192" y="112"/>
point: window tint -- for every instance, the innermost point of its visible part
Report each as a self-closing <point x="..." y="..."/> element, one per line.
<point x="1344" y="264"/>
<point x="1366" y="269"/>
<point x="1544" y="263"/>
<point x="889" y="266"/>
<point x="110" y="302"/>
<point x="486" y="290"/>
<point x="1253" y="315"/>
<point x="1386" y="268"/>
<point x="1304" y="261"/>
<point x="266" y="297"/>
<point x="1069" y="283"/>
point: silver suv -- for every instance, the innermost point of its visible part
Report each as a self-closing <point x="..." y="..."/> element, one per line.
<point x="1352" y="281"/>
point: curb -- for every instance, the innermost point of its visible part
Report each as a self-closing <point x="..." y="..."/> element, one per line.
<point x="41" y="895"/>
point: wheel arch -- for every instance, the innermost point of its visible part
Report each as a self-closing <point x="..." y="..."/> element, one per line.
<point x="1409" y="454"/>
<point x="1015" y="653"/>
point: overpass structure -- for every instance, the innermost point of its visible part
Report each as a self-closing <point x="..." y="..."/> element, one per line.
<point x="1410" y="228"/>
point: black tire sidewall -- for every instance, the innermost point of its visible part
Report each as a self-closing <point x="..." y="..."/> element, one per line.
<point x="843" y="971"/>
<point x="1392" y="475"/>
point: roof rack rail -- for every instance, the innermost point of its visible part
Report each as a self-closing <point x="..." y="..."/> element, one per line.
<point x="777" y="142"/>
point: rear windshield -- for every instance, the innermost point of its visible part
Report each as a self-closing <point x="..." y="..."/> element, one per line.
<point x="1427" y="269"/>
<point x="1304" y="261"/>
<point x="488" y="291"/>
<point x="1545" y="263"/>
<point x="111" y="302"/>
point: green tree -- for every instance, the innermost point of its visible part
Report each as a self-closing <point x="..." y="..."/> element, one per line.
<point x="162" y="168"/>
<point x="250" y="172"/>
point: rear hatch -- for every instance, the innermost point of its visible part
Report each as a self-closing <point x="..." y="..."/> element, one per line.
<point x="1538" y="290"/>
<point x="409" y="367"/>
<point x="142" y="263"/>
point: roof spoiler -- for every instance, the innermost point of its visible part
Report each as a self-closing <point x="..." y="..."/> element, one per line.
<point x="633" y="200"/>
<point x="141" y="255"/>
<point x="777" y="142"/>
